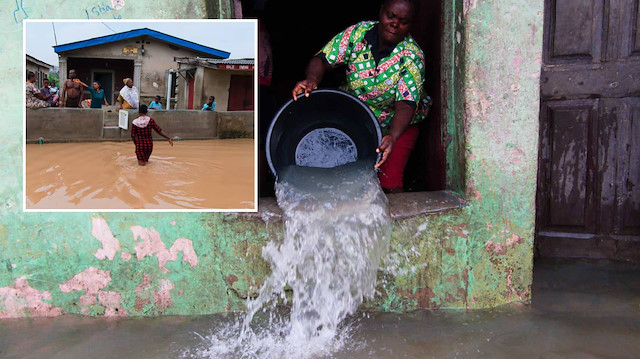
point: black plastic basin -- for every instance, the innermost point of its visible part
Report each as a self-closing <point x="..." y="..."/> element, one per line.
<point x="327" y="129"/>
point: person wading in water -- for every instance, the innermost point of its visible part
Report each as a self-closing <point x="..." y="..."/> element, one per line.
<point x="141" y="135"/>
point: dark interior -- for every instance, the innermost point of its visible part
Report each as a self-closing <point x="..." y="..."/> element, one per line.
<point x="299" y="29"/>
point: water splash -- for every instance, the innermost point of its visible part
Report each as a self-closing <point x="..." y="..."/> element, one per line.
<point x="336" y="232"/>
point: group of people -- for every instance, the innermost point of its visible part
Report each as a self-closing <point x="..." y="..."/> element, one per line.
<point x="46" y="96"/>
<point x="72" y="94"/>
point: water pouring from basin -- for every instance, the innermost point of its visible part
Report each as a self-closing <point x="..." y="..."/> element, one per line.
<point x="336" y="222"/>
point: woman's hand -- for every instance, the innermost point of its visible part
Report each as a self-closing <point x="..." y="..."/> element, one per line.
<point x="386" y="146"/>
<point x="170" y="141"/>
<point x="305" y="86"/>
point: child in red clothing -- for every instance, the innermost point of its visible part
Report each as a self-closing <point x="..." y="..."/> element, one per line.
<point x="141" y="135"/>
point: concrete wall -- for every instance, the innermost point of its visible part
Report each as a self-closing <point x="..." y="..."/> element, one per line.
<point x="73" y="124"/>
<point x="63" y="124"/>
<point x="235" y="124"/>
<point x="476" y="256"/>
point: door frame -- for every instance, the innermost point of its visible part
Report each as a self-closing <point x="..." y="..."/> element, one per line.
<point x="113" y="84"/>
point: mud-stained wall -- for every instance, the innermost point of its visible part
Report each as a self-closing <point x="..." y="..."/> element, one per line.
<point x="195" y="263"/>
<point x="215" y="83"/>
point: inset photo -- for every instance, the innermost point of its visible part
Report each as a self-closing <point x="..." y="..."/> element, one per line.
<point x="140" y="115"/>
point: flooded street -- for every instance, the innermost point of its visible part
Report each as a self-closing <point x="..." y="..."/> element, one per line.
<point x="207" y="174"/>
<point x="581" y="309"/>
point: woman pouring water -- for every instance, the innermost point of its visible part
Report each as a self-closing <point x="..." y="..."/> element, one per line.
<point x="385" y="70"/>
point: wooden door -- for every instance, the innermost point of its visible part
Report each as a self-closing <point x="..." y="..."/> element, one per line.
<point x="190" y="90"/>
<point x="588" y="199"/>
<point x="240" y="93"/>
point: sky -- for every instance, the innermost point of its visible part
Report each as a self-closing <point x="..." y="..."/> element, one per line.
<point x="236" y="37"/>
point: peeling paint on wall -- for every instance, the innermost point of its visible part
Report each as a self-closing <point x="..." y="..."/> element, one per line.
<point x="150" y="244"/>
<point x="20" y="300"/>
<point x="110" y="244"/>
<point x="197" y="263"/>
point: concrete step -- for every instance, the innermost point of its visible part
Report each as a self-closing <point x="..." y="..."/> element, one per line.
<point x="111" y="118"/>
<point x="111" y="133"/>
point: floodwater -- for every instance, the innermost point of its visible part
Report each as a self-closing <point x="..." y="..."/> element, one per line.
<point x="204" y="174"/>
<point x="337" y="230"/>
<point x="581" y="309"/>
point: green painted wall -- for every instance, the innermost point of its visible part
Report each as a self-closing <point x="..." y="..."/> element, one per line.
<point x="195" y="263"/>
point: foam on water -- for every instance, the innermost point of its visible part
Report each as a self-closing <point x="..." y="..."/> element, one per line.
<point x="336" y="232"/>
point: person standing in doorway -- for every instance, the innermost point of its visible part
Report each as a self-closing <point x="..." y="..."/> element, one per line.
<point x="385" y="70"/>
<point x="141" y="135"/>
<point x="210" y="105"/>
<point x="155" y="104"/>
<point x="71" y="94"/>
<point x="97" y="95"/>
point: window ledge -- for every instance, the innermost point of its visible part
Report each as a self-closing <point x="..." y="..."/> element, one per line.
<point x="401" y="205"/>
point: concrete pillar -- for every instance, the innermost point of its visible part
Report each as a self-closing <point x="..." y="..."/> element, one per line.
<point x="137" y="74"/>
<point x="198" y="91"/>
<point x="62" y="71"/>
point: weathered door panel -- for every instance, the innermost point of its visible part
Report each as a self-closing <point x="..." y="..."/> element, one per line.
<point x="567" y="165"/>
<point x="628" y="189"/>
<point x="240" y="93"/>
<point x="588" y="201"/>
<point x="574" y="31"/>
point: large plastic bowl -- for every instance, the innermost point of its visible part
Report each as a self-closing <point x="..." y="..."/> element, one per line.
<point x="327" y="129"/>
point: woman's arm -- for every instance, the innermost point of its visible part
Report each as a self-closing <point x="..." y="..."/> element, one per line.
<point x="39" y="95"/>
<point x="399" y="123"/>
<point x="104" y="98"/>
<point x="160" y="132"/>
<point x="166" y="136"/>
<point x="120" y="101"/>
<point x="315" y="71"/>
<point x="81" y="83"/>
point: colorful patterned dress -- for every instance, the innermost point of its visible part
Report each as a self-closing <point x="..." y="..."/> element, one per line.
<point x="142" y="137"/>
<point x="399" y="76"/>
<point x="32" y="101"/>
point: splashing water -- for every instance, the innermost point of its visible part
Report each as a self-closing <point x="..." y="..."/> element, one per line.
<point x="336" y="232"/>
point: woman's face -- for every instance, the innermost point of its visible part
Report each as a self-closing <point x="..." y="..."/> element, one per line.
<point x="31" y="79"/>
<point x="130" y="83"/>
<point x="395" y="21"/>
<point x="96" y="86"/>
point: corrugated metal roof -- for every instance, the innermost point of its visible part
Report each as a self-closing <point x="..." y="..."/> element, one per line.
<point x="215" y="61"/>
<point x="34" y="60"/>
<point x="141" y="32"/>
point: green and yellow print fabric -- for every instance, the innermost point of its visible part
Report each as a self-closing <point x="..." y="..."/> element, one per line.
<point x="397" y="77"/>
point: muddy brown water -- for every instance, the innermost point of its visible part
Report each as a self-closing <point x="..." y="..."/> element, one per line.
<point x="206" y="174"/>
<point x="580" y="309"/>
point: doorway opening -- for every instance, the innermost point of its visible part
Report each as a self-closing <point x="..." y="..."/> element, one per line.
<point x="112" y="70"/>
<point x="298" y="30"/>
<point x="240" y="93"/>
<point x="105" y="79"/>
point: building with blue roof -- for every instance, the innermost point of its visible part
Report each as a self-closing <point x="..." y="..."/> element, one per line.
<point x="146" y="56"/>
